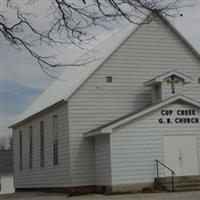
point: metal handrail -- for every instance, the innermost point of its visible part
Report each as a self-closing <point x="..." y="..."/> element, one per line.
<point x="172" y="172"/>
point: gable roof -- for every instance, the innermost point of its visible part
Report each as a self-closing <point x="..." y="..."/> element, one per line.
<point x="74" y="77"/>
<point x="6" y="161"/>
<point x="161" y="78"/>
<point x="108" y="128"/>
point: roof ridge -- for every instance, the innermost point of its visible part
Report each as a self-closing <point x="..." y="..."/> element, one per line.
<point x="53" y="95"/>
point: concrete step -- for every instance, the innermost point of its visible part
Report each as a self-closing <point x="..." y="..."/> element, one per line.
<point x="184" y="189"/>
<point x="179" y="179"/>
<point x="179" y="182"/>
<point x="184" y="183"/>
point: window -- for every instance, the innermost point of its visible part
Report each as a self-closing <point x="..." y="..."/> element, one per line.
<point x="109" y="79"/>
<point x="55" y="140"/>
<point x="42" y="144"/>
<point x="55" y="152"/>
<point x="20" y="151"/>
<point x="199" y="80"/>
<point x="30" y="146"/>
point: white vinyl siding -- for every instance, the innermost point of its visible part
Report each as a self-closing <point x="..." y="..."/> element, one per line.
<point x="137" y="144"/>
<point x="151" y="50"/>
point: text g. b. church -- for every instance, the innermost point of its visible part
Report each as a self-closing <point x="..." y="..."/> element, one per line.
<point x="130" y="120"/>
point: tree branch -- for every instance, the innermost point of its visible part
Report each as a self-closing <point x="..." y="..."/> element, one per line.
<point x="70" y="22"/>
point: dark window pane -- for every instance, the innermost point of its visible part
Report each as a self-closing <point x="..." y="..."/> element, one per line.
<point x="42" y="144"/>
<point x="109" y="79"/>
<point x="55" y="152"/>
<point x="55" y="140"/>
<point x="20" y="151"/>
<point x="30" y="147"/>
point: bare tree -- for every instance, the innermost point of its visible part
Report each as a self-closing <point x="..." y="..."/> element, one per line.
<point x="10" y="142"/>
<point x="6" y="142"/>
<point x="69" y="21"/>
<point x="2" y="143"/>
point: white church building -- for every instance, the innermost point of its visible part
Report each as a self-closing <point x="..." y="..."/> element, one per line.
<point x="111" y="125"/>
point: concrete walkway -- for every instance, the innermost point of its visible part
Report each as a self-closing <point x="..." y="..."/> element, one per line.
<point x="155" y="196"/>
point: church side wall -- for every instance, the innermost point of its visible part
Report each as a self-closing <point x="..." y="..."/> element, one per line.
<point x="50" y="175"/>
<point x="136" y="145"/>
<point x="152" y="50"/>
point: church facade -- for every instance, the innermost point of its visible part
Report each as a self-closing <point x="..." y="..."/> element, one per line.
<point x="107" y="123"/>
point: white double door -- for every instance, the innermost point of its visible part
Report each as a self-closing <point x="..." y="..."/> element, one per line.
<point x="180" y="154"/>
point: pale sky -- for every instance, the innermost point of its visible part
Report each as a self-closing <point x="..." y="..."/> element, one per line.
<point x="22" y="79"/>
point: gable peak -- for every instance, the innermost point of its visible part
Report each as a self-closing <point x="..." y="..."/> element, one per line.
<point x="173" y="73"/>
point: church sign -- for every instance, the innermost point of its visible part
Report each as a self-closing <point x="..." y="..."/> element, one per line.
<point x="182" y="117"/>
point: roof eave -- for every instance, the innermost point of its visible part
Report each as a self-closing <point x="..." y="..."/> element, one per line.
<point x="102" y="131"/>
<point x="38" y="113"/>
<point x="151" y="82"/>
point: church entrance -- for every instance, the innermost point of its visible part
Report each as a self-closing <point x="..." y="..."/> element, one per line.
<point x="180" y="154"/>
